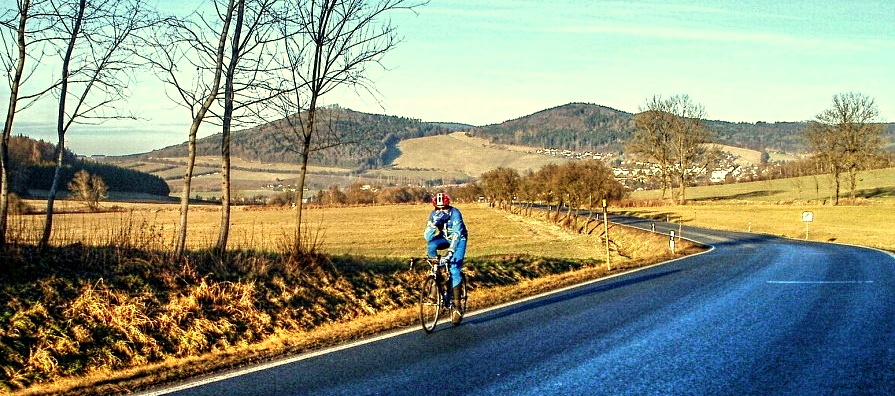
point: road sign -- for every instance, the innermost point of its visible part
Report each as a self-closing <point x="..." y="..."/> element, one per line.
<point x="807" y="216"/>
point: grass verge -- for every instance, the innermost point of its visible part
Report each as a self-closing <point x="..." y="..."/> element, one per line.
<point x="84" y="319"/>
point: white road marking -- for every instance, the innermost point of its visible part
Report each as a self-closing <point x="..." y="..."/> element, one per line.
<point x="820" y="282"/>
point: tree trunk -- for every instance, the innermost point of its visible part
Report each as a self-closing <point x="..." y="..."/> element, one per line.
<point x="7" y="127"/>
<point x="60" y="125"/>
<point x="224" y="232"/>
<point x="305" y="155"/>
<point x="180" y="246"/>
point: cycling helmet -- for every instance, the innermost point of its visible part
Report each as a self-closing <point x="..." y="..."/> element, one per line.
<point x="441" y="199"/>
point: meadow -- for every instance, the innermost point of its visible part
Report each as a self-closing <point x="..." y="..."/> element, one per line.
<point x="776" y="207"/>
<point x="380" y="231"/>
<point x="106" y="309"/>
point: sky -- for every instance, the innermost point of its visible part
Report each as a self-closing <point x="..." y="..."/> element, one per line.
<point x="486" y="62"/>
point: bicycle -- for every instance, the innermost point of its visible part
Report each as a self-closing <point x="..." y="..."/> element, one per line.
<point x="436" y="294"/>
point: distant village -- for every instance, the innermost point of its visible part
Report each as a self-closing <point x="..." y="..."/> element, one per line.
<point x="637" y="175"/>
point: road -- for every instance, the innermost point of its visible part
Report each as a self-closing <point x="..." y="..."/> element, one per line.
<point x="756" y="315"/>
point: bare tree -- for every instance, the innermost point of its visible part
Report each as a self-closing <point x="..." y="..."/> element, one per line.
<point x="689" y="136"/>
<point x="845" y="136"/>
<point x="22" y="36"/>
<point x="652" y="138"/>
<point x="246" y="69"/>
<point x="87" y="188"/>
<point x="328" y="44"/>
<point x="671" y="133"/>
<point x="96" y="60"/>
<point x="216" y="84"/>
<point x="180" y="42"/>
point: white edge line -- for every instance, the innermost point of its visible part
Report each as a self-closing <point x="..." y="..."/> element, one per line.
<point x="410" y="329"/>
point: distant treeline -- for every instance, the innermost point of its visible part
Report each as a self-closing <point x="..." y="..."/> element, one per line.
<point x="116" y="178"/>
<point x="32" y="168"/>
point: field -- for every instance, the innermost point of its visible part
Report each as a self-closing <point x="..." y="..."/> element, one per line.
<point x="776" y="207"/>
<point x="453" y="153"/>
<point x="447" y="157"/>
<point x="106" y="309"/>
<point x="381" y="231"/>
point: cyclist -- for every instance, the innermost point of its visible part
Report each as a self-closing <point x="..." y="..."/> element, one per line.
<point x="445" y="230"/>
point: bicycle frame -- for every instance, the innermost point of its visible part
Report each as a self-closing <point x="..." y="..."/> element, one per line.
<point x="436" y="293"/>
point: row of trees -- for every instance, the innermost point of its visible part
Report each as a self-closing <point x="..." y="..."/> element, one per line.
<point x="671" y="133"/>
<point x="234" y="63"/>
<point x="573" y="186"/>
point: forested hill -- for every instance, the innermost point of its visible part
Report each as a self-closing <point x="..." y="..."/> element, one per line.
<point x="32" y="166"/>
<point x="274" y="142"/>
<point x="574" y="126"/>
<point x="585" y="126"/>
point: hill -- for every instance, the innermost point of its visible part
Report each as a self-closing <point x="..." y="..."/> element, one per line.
<point x="585" y="126"/>
<point x="458" y="152"/>
<point x="573" y="126"/>
<point x="274" y="142"/>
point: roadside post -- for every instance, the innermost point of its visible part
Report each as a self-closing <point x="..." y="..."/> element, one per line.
<point x="606" y="232"/>
<point x="671" y="242"/>
<point x="807" y="217"/>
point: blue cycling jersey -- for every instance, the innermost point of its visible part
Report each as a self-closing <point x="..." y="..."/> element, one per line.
<point x="447" y="223"/>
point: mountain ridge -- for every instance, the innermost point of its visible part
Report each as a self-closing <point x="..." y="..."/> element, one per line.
<point x="577" y="126"/>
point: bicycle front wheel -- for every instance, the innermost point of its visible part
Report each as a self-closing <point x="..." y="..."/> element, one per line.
<point x="430" y="304"/>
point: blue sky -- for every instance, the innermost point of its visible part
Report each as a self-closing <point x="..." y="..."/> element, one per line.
<point x="485" y="62"/>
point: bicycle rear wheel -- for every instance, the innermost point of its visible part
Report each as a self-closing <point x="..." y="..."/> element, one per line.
<point x="463" y="298"/>
<point x="430" y="304"/>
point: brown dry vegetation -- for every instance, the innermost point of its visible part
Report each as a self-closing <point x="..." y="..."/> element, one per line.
<point x="107" y="311"/>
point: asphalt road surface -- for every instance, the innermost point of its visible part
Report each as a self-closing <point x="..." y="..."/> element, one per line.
<point x="756" y="315"/>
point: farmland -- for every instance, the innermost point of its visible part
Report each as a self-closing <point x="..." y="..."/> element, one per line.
<point x="106" y="308"/>
<point x="111" y="270"/>
<point x="776" y="207"/>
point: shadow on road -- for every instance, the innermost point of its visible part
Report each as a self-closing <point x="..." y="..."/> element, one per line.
<point x="582" y="291"/>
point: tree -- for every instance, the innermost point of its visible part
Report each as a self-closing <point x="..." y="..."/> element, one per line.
<point x="97" y="55"/>
<point x="327" y="44"/>
<point x="501" y="184"/>
<point x="88" y="188"/>
<point x="243" y="43"/>
<point x="671" y="133"/>
<point x="178" y="42"/>
<point x="22" y="30"/>
<point x="652" y="138"/>
<point x="202" y="41"/>
<point x="845" y="136"/>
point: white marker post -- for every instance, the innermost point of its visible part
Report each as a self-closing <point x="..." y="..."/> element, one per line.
<point x="671" y="242"/>
<point x="606" y="231"/>
<point x="807" y="217"/>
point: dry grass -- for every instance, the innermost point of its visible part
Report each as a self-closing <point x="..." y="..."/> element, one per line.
<point x="108" y="311"/>
<point x="865" y="225"/>
<point x="382" y="231"/>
